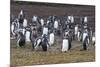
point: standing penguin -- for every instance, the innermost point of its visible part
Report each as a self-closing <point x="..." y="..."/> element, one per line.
<point x="27" y="35"/>
<point x="56" y="26"/>
<point x="33" y="35"/>
<point x="14" y="27"/>
<point x="21" y="19"/>
<point x="85" y="40"/>
<point x="21" y="40"/>
<point x="51" y="38"/>
<point x="66" y="44"/>
<point x="79" y="35"/>
<point x="45" y="43"/>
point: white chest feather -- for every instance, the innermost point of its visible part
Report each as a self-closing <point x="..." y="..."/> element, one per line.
<point x="37" y="43"/>
<point x="12" y="29"/>
<point x="56" y="24"/>
<point x="84" y="36"/>
<point x="76" y="30"/>
<point x="25" y="23"/>
<point x="78" y="36"/>
<point x="23" y="31"/>
<point x="34" y="18"/>
<point x="72" y="19"/>
<point x="93" y="39"/>
<point x="42" y="22"/>
<point x="85" y="19"/>
<point x="51" y="40"/>
<point x="65" y="45"/>
<point x="27" y="36"/>
<point x="45" y="30"/>
<point x="48" y="22"/>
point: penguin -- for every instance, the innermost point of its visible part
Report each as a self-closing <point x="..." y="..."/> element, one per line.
<point x="79" y="35"/>
<point x="66" y="44"/>
<point x="21" y="40"/>
<point x="85" y="40"/>
<point x="56" y="24"/>
<point x="21" y="19"/>
<point x="33" y="36"/>
<point x="45" y="43"/>
<point x="14" y="27"/>
<point x="51" y="38"/>
<point x="37" y="43"/>
<point x="27" y="36"/>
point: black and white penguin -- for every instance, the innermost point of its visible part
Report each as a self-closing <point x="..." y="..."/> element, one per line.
<point x="85" y="40"/>
<point x="79" y="35"/>
<point x="14" y="28"/>
<point x="21" y="19"/>
<point x="51" y="38"/>
<point x="43" y="42"/>
<point x="56" y="25"/>
<point x="27" y="35"/>
<point x="21" y="40"/>
<point x="33" y="36"/>
<point x="66" y="45"/>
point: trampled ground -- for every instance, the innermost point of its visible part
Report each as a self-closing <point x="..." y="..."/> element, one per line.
<point x="25" y="56"/>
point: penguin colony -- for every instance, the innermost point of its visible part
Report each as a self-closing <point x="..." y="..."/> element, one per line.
<point x="42" y="33"/>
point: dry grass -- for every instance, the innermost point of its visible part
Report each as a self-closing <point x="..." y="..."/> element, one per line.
<point x="25" y="56"/>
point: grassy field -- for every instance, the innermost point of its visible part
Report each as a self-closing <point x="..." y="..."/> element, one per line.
<point x="25" y="56"/>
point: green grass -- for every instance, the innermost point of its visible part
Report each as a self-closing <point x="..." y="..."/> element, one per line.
<point x="25" y="56"/>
